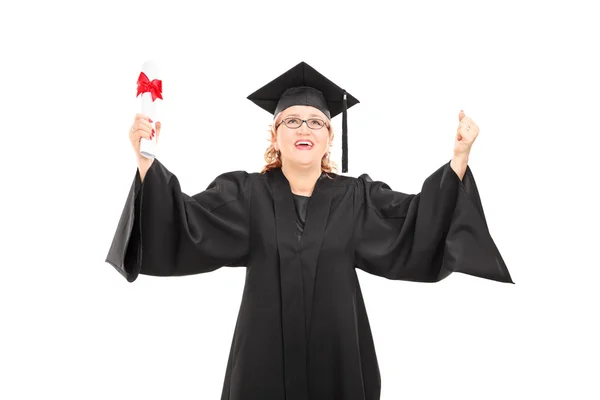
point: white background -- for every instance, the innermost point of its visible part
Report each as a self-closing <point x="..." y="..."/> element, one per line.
<point x="526" y="72"/>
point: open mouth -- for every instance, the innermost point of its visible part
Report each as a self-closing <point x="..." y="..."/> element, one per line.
<point x="304" y="144"/>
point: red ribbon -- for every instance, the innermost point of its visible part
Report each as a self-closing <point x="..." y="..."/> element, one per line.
<point x="145" y="85"/>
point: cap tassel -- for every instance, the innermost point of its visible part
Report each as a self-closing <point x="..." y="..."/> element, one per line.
<point x="344" y="135"/>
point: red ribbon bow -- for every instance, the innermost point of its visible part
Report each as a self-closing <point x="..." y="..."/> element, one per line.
<point x="145" y="85"/>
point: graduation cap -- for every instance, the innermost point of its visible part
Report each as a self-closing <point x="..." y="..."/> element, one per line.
<point x="304" y="85"/>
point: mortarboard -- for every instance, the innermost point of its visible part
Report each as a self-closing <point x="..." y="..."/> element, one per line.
<point x="304" y="85"/>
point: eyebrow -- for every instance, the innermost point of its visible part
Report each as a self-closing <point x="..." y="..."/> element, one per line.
<point x="297" y="115"/>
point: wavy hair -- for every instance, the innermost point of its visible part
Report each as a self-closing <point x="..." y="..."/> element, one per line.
<point x="273" y="161"/>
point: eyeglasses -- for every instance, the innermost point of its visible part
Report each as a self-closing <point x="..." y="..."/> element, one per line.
<point x="295" y="123"/>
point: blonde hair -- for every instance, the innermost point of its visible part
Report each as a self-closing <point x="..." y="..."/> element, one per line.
<point x="273" y="161"/>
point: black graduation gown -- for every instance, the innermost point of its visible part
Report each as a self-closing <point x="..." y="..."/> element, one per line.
<point x="302" y="330"/>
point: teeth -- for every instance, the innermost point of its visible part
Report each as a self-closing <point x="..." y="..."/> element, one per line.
<point x="308" y="143"/>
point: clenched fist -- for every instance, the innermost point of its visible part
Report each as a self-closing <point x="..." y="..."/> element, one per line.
<point x="466" y="133"/>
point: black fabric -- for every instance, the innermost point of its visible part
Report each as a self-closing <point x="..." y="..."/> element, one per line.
<point x="302" y="330"/>
<point x="308" y="270"/>
<point x="302" y="96"/>
<point x="301" y="204"/>
<point x="302" y="85"/>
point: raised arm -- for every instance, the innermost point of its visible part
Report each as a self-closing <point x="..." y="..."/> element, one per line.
<point x="164" y="232"/>
<point x="425" y="237"/>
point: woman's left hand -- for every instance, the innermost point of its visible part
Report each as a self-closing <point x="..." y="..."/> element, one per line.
<point x="465" y="135"/>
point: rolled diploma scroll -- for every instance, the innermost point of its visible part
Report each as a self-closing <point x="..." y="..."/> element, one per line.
<point x="148" y="147"/>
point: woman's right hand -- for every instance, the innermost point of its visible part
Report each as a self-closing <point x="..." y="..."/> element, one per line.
<point x="142" y="128"/>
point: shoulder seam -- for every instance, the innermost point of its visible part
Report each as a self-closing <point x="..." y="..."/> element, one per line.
<point x="239" y="196"/>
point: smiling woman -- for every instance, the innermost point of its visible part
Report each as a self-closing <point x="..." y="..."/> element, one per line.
<point x="302" y="231"/>
<point x="300" y="124"/>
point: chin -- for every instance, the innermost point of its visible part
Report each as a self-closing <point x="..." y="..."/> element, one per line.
<point x="305" y="163"/>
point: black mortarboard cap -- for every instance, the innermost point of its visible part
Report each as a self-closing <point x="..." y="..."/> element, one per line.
<point x="304" y="85"/>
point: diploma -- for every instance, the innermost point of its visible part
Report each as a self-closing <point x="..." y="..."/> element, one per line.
<point x="149" y="90"/>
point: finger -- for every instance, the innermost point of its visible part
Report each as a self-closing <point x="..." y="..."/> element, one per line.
<point x="142" y="131"/>
<point x="157" y="128"/>
<point x="144" y="134"/>
<point x="466" y="121"/>
<point x="142" y="120"/>
<point x="142" y="123"/>
<point x="461" y="115"/>
<point x="142" y="116"/>
<point x="142" y="126"/>
<point x="135" y="133"/>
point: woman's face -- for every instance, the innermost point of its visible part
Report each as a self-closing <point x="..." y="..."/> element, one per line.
<point x="287" y="137"/>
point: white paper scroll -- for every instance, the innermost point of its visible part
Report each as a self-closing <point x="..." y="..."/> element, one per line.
<point x="149" y="108"/>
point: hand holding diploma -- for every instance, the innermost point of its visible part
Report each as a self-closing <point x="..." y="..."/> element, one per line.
<point x="142" y="129"/>
<point x="149" y="89"/>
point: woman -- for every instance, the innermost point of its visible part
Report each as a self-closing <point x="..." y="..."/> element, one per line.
<point x="301" y="231"/>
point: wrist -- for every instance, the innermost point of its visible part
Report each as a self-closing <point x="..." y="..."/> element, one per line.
<point x="459" y="165"/>
<point x="141" y="160"/>
<point x="461" y="158"/>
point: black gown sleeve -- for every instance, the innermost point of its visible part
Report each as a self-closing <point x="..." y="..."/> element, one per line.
<point x="164" y="232"/>
<point x="425" y="237"/>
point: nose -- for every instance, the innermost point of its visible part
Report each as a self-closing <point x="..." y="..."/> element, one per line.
<point x="302" y="128"/>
